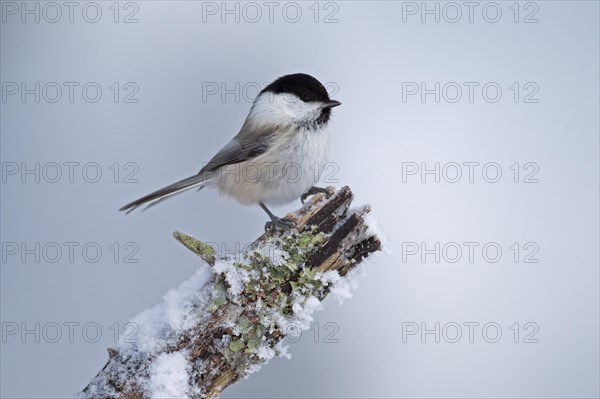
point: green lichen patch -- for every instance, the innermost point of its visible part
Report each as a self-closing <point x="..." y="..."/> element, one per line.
<point x="205" y="251"/>
<point x="236" y="345"/>
<point x="299" y="245"/>
<point x="219" y="295"/>
<point x="273" y="285"/>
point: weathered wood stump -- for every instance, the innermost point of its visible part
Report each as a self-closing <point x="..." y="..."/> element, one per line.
<point x="230" y="322"/>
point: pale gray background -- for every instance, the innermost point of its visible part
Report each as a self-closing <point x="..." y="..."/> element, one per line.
<point x="368" y="53"/>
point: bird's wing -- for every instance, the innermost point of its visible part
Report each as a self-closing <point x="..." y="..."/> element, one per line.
<point x="242" y="147"/>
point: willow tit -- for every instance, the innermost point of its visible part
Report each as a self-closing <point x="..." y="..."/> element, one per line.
<point x="277" y="156"/>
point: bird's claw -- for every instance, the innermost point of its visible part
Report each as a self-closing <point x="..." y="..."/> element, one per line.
<point x="280" y="223"/>
<point x="312" y="191"/>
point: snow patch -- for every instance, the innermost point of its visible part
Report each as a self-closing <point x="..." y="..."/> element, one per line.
<point x="303" y="308"/>
<point x="375" y="229"/>
<point x="169" y="376"/>
<point x="266" y="353"/>
<point x="237" y="277"/>
<point x="282" y="351"/>
<point x="342" y="289"/>
<point x="178" y="312"/>
<point x="329" y="277"/>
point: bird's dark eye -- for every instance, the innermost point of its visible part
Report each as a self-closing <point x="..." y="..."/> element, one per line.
<point x="305" y="98"/>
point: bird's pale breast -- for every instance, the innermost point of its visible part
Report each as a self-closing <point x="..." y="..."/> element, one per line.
<point x="281" y="175"/>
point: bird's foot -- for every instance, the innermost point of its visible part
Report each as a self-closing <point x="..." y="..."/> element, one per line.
<point x="312" y="191"/>
<point x="280" y="223"/>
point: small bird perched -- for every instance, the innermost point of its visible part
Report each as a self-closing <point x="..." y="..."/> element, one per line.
<point x="277" y="156"/>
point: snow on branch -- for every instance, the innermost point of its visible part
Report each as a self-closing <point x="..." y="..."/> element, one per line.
<point x="230" y="317"/>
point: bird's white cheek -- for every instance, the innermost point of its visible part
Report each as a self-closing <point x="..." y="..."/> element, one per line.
<point x="268" y="111"/>
<point x="283" y="108"/>
<point x="299" y="110"/>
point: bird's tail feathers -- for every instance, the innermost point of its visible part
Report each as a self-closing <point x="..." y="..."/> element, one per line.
<point x="165" y="192"/>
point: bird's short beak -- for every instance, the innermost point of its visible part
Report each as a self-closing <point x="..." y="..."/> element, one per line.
<point x="332" y="103"/>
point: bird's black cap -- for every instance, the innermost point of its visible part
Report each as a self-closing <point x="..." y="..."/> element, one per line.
<point x="302" y="85"/>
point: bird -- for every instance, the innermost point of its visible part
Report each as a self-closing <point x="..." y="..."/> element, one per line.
<point x="278" y="155"/>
